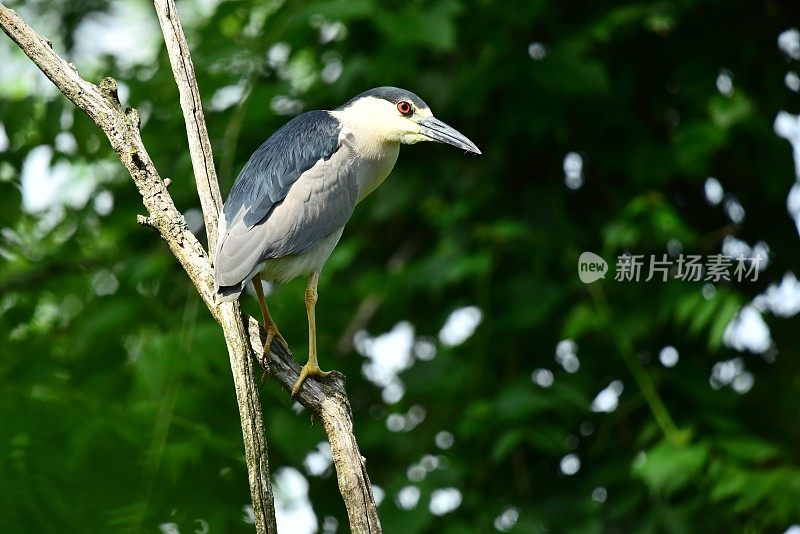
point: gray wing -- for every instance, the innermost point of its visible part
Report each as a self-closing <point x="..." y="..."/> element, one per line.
<point x="292" y="192"/>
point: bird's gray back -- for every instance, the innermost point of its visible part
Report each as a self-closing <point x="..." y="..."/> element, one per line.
<point x="295" y="190"/>
<point x="278" y="163"/>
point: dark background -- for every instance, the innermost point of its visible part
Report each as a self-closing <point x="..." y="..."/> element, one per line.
<point x="117" y="410"/>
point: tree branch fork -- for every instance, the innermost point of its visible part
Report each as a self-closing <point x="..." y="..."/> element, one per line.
<point x="326" y="400"/>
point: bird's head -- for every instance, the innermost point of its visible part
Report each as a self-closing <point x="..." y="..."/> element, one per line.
<point x="396" y="115"/>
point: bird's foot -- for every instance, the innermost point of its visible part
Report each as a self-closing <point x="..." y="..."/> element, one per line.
<point x="272" y="334"/>
<point x="309" y="369"/>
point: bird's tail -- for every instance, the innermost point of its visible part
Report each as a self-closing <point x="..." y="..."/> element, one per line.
<point x="229" y="293"/>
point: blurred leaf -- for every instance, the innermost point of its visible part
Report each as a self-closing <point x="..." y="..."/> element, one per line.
<point x="667" y="468"/>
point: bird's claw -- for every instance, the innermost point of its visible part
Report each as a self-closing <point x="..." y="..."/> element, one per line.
<point x="272" y="334"/>
<point x="305" y="372"/>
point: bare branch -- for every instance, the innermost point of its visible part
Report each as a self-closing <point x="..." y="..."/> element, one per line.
<point x="230" y="317"/>
<point x="255" y="444"/>
<point x="326" y="400"/>
<point x="205" y="173"/>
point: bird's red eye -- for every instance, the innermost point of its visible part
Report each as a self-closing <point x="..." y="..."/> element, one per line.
<point x="404" y="107"/>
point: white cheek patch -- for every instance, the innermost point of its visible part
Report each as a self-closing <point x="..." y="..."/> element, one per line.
<point x="373" y="120"/>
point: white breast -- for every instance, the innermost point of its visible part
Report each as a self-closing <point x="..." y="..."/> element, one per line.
<point x="290" y="267"/>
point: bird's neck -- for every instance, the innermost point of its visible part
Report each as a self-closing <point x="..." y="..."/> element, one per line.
<point x="374" y="156"/>
<point x="374" y="166"/>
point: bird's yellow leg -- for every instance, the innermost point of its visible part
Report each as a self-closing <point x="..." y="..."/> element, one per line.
<point x="269" y="324"/>
<point x="311" y="368"/>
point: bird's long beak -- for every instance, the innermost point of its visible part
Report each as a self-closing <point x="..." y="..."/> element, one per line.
<point x="439" y="131"/>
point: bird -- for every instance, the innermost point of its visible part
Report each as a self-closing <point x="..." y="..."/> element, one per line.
<point x="289" y="205"/>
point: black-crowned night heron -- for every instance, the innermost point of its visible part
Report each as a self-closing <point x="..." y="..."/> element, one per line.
<point x="289" y="205"/>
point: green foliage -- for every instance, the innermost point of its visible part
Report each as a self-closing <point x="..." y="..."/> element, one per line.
<point x="117" y="408"/>
<point x="667" y="468"/>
